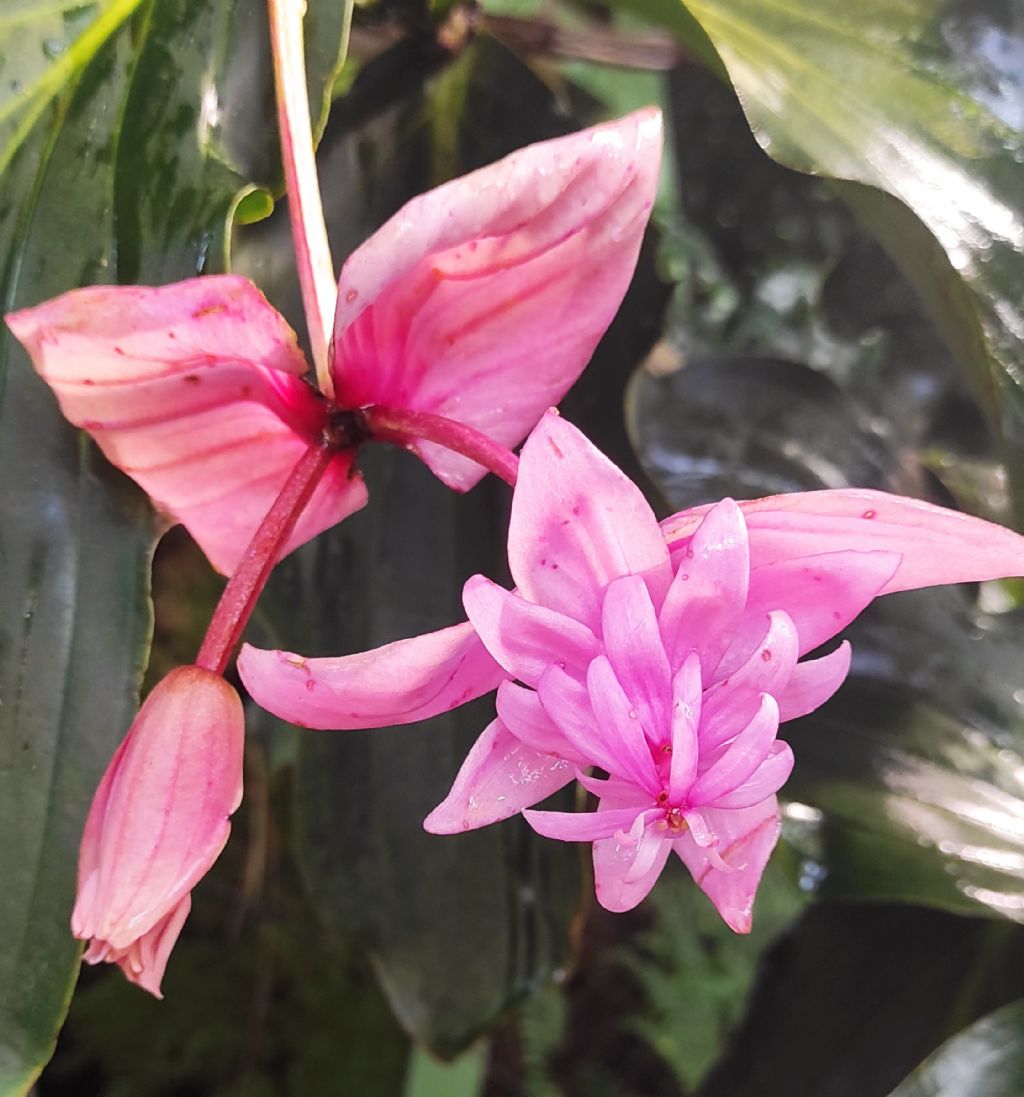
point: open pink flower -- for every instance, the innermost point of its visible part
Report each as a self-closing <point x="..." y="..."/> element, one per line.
<point x="664" y="656"/>
<point x="480" y="301"/>
<point x="158" y="821"/>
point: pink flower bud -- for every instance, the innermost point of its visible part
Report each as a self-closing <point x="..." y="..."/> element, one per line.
<point x="158" y="821"/>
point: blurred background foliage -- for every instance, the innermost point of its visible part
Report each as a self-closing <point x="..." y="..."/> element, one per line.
<point x="857" y="321"/>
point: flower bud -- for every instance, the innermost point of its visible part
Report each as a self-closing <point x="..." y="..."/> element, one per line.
<point x="158" y="821"/>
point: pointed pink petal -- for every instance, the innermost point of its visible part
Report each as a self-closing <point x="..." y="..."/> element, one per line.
<point x="686" y="718"/>
<point x="483" y="300"/>
<point x="520" y="710"/>
<point x="580" y="826"/>
<point x="822" y="595"/>
<point x="567" y="704"/>
<point x="194" y="391"/>
<point x="617" y="886"/>
<point x="709" y="589"/>
<point x="499" y="778"/>
<point x="524" y="638"/>
<point x="765" y="781"/>
<point x="398" y="683"/>
<point x="813" y="683"/>
<point x="936" y="545"/>
<point x="145" y="962"/>
<point x="578" y="523"/>
<point x="620" y="727"/>
<point x="633" y="645"/>
<point x="731" y="702"/>
<point x="746" y="752"/>
<point x="160" y="818"/>
<point x="614" y="792"/>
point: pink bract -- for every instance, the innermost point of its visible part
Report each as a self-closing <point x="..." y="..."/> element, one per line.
<point x="664" y="656"/>
<point x="480" y="301"/>
<point x="158" y="821"/>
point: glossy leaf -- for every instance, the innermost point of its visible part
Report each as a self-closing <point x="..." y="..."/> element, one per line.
<point x="43" y="48"/>
<point x="984" y="1060"/>
<point x="924" y="102"/>
<point x="75" y="538"/>
<point x="855" y="996"/>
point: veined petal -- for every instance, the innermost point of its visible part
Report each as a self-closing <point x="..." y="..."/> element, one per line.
<point x="194" y="391"/>
<point x="580" y="826"/>
<point x="399" y="683"/>
<point x="743" y="756"/>
<point x="577" y="523"/>
<point x="617" y="884"/>
<point x="765" y="781"/>
<point x="822" y="595"/>
<point x="633" y="645"/>
<point x="483" y="300"/>
<point x="568" y="705"/>
<point x="745" y="840"/>
<point x="687" y="700"/>
<point x="520" y="710"/>
<point x="709" y="589"/>
<point x="936" y="545"/>
<point x="525" y="638"/>
<point x="620" y="726"/>
<point x="499" y="778"/>
<point x="813" y="683"/>
<point x="730" y="703"/>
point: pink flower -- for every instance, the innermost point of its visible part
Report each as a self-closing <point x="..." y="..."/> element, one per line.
<point x="665" y="656"/>
<point x="480" y="301"/>
<point x="158" y="821"/>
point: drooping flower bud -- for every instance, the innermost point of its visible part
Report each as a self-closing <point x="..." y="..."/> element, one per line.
<point x="158" y="821"/>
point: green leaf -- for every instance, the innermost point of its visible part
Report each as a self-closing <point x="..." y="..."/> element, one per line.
<point x="136" y="171"/>
<point x="855" y="996"/>
<point x="921" y="101"/>
<point x="44" y="44"/>
<point x="985" y="1060"/>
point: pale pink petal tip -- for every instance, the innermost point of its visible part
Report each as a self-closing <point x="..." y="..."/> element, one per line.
<point x="499" y="778"/>
<point x="483" y="300"/>
<point x="194" y="390"/>
<point x="158" y="821"/>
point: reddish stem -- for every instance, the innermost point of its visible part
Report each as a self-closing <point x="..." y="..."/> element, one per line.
<point x="405" y="427"/>
<point x="239" y="597"/>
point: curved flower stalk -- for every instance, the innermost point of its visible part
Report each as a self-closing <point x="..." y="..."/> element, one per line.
<point x="664" y="656"/>
<point x="480" y="302"/>
<point x="158" y="821"/>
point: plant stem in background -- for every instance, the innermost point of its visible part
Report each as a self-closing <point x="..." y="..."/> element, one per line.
<point x="309" y="234"/>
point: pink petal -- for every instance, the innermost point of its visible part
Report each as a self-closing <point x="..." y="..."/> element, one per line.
<point x="746" y="838"/>
<point x="936" y="545"/>
<point x="731" y="702"/>
<point x="822" y="594"/>
<point x="399" y="683"/>
<point x="633" y="645"/>
<point x="520" y="710"/>
<point x="160" y="816"/>
<point x="580" y="826"/>
<point x="765" y="781"/>
<point x="709" y="589"/>
<point x="499" y="778"/>
<point x="620" y="727"/>
<point x="567" y="704"/>
<point x="578" y="523"/>
<point x="746" y="752"/>
<point x="526" y="639"/>
<point x="145" y="960"/>
<point x="617" y="886"/>
<point x="483" y="300"/>
<point x="813" y="683"/>
<point x="686" y="718"/>
<point x="194" y="391"/>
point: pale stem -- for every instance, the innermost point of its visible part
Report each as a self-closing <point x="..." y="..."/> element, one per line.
<point x="403" y="427"/>
<point x="250" y="577"/>
<point x="309" y="233"/>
